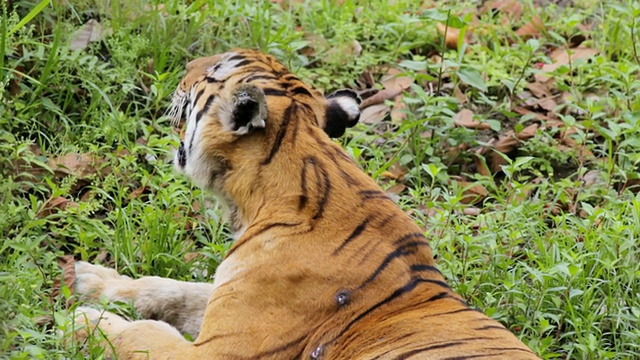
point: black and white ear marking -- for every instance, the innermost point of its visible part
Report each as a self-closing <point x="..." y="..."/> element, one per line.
<point x="343" y="111"/>
<point x="249" y="109"/>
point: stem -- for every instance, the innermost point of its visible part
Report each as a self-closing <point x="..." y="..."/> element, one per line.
<point x="633" y="38"/>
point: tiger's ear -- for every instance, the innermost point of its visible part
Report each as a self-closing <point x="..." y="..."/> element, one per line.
<point x="246" y="110"/>
<point x="343" y="111"/>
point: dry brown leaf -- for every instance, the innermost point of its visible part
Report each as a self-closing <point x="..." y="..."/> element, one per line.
<point x="562" y="56"/>
<point x="54" y="205"/>
<point x="394" y="80"/>
<point x="471" y="211"/>
<point x="548" y="104"/>
<point x="398" y="112"/>
<point x="78" y="165"/>
<point x="452" y="35"/>
<point x="374" y="114"/>
<point x="380" y="97"/>
<point x="395" y="172"/>
<point x="473" y="192"/>
<point x="459" y="95"/>
<point x="522" y="111"/>
<point x="137" y="192"/>
<point x="531" y="29"/>
<point x="68" y="266"/>
<point x="465" y="119"/>
<point x="396" y="189"/>
<point x="539" y="90"/>
<point x="528" y="132"/>
<point x="481" y="165"/>
<point x="89" y="32"/>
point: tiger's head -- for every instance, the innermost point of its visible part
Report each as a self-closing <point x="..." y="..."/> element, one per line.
<point x="240" y="108"/>
<point x="243" y="95"/>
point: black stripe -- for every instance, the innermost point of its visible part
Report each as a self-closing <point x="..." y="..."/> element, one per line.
<point x="267" y="227"/>
<point x="465" y="309"/>
<point x="440" y="296"/>
<point x="423" y="267"/>
<point x="243" y="63"/>
<point x="403" y="250"/>
<point x="512" y="349"/>
<point x="199" y="115"/>
<point x="323" y="184"/>
<point x="236" y="57"/>
<point x="251" y="78"/>
<point x="357" y="231"/>
<point x="492" y="355"/>
<point x="408" y="354"/>
<point x="198" y="95"/>
<point x="300" y="90"/>
<point x="398" y="292"/>
<point x="383" y="223"/>
<point x="491" y="327"/>
<point x="303" y="183"/>
<point x="274" y="92"/>
<point x="408" y="236"/>
<point x="444" y="345"/>
<point x="212" y="80"/>
<point x="373" y="194"/>
<point x="281" y="133"/>
<point x="345" y="175"/>
<point x="205" y="108"/>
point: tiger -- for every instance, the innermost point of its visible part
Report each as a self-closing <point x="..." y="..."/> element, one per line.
<point x="324" y="264"/>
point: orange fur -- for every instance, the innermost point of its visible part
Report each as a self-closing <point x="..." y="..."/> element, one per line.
<point x="325" y="265"/>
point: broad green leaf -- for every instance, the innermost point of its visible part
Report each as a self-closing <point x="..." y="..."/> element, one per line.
<point x="471" y="76"/>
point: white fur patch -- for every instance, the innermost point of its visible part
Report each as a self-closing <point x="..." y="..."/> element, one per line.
<point x="349" y="105"/>
<point x="224" y="68"/>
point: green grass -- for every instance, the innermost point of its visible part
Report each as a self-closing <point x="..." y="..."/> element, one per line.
<point x="551" y="251"/>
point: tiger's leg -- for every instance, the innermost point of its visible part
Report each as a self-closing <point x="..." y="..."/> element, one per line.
<point x="130" y="339"/>
<point x="178" y="303"/>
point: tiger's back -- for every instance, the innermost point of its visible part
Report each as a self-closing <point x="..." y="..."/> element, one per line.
<point x="325" y="264"/>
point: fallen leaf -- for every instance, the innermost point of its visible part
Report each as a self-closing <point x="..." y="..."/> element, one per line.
<point x="548" y="104"/>
<point x="398" y="112"/>
<point x="471" y="211"/>
<point x="472" y="192"/>
<point x="464" y="118"/>
<point x="380" y="97"/>
<point x="528" y="132"/>
<point x="481" y="165"/>
<point x="55" y="204"/>
<point x="78" y="165"/>
<point x="396" y="189"/>
<point x="89" y="32"/>
<point x="68" y="278"/>
<point x="452" y="35"/>
<point x="522" y="111"/>
<point x="563" y="56"/>
<point x="539" y="90"/>
<point x="459" y="95"/>
<point x="137" y="192"/>
<point x="395" y="172"/>
<point x="531" y="29"/>
<point x="395" y="80"/>
<point x="374" y="114"/>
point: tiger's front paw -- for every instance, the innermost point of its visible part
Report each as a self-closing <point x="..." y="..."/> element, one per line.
<point x="94" y="281"/>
